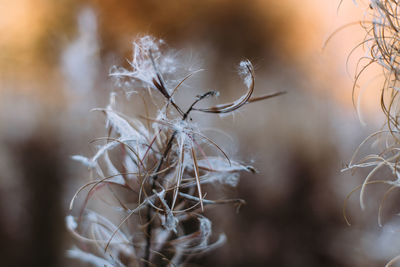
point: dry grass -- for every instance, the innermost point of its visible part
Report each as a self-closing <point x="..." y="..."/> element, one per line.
<point x="382" y="41"/>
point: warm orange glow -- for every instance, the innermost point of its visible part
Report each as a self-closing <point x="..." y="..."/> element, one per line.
<point x="21" y="25"/>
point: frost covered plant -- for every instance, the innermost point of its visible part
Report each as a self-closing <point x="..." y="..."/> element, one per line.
<point x="147" y="193"/>
<point x="382" y="41"/>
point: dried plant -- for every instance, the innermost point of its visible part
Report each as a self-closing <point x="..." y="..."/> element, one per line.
<point x="149" y="178"/>
<point x="382" y="41"/>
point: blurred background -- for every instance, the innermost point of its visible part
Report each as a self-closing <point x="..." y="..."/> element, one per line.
<point x="55" y="58"/>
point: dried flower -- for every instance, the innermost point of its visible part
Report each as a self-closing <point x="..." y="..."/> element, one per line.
<point x="151" y="172"/>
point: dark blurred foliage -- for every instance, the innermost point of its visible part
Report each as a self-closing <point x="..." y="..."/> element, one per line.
<point x="293" y="212"/>
<point x="36" y="239"/>
<point x="235" y="29"/>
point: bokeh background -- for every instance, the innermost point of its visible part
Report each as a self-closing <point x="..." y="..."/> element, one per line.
<point x="55" y="58"/>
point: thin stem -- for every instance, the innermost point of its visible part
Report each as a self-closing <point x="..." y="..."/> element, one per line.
<point x="148" y="214"/>
<point x="155" y="177"/>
